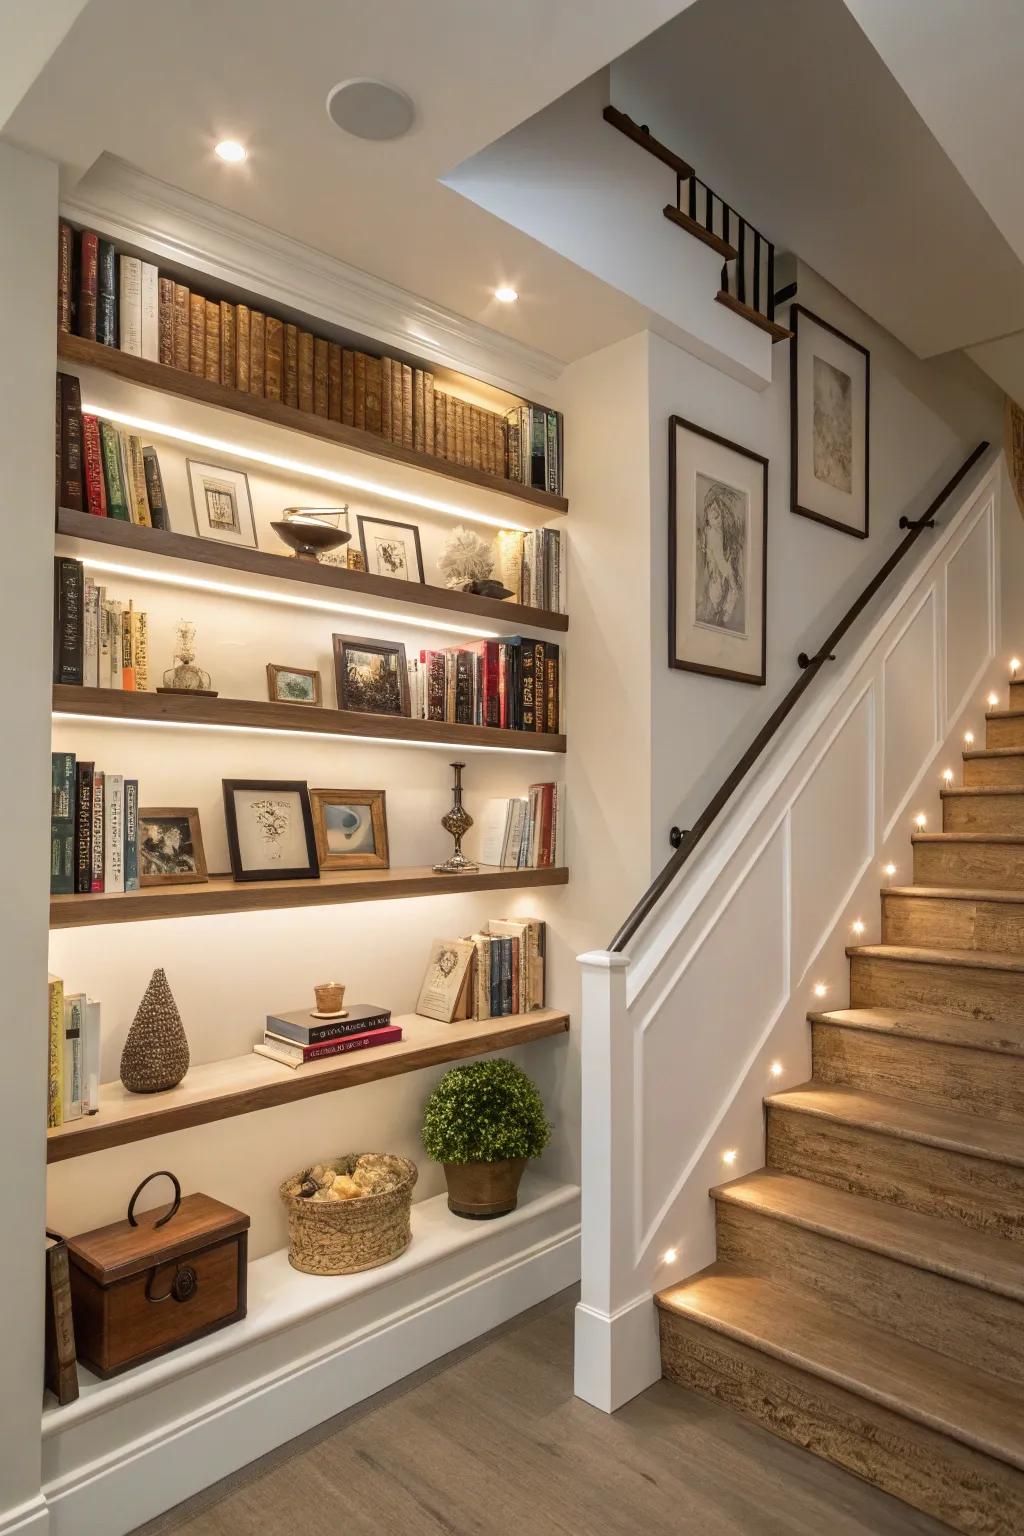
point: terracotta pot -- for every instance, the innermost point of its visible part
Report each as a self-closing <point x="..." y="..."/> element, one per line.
<point x="483" y="1190"/>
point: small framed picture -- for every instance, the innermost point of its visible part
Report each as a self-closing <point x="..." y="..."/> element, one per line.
<point x="371" y="675"/>
<point x="270" y="829"/>
<point x="717" y="555"/>
<point x="293" y="685"/>
<point x="221" y="504"/>
<point x="171" y="847"/>
<point x="351" y="828"/>
<point x="830" y="390"/>
<point x="391" y="549"/>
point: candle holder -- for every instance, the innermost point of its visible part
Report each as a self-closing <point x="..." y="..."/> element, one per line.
<point x="457" y="822"/>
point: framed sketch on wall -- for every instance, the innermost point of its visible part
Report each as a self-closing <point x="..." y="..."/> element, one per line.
<point x="717" y="555"/>
<point x="830" y="395"/>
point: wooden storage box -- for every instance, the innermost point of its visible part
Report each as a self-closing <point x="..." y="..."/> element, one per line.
<point x="153" y="1282"/>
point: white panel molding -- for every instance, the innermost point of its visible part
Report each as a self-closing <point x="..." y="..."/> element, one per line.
<point x="617" y="1354"/>
<point x="31" y="1519"/>
<point x="139" y="210"/>
<point x="931" y="596"/>
<point x="986" y="518"/>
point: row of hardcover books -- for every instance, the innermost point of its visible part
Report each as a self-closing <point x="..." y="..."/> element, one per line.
<point x="94" y="828"/>
<point x="121" y="301"/>
<point x="98" y="642"/>
<point x="73" y="1087"/>
<point x="513" y="683"/>
<point x="526" y="831"/>
<point x="530" y="566"/>
<point x="102" y="468"/>
<point x="295" y="1038"/>
<point x="488" y="975"/>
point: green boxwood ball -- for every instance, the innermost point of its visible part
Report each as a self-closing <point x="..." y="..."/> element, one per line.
<point x="484" y="1112"/>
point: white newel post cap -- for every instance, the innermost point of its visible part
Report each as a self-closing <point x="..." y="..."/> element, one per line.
<point x="603" y="960"/>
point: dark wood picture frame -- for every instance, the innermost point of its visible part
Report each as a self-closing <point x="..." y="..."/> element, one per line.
<point x="674" y="660"/>
<point x="375" y="800"/>
<point x="243" y="541"/>
<point x="343" y="644"/>
<point x="796" y="310"/>
<point x="298" y="787"/>
<point x="274" y="671"/>
<point x="386" y="522"/>
<point x="175" y="813"/>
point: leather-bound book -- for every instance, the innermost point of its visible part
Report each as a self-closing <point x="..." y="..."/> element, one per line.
<point x="274" y="358"/>
<point x="451" y="445"/>
<point x="197" y="334"/>
<point x="359" y="391"/>
<point x="406" y="406"/>
<point x="304" y="370"/>
<point x="290" y="366"/>
<point x="212" y="366"/>
<point x="428" y="412"/>
<point x="397" y="373"/>
<point x="165" y="321"/>
<point x="88" y="269"/>
<point x="476" y="449"/>
<point x="348" y="387"/>
<point x="241" y="379"/>
<point x="500" y="467"/>
<point x="72" y="484"/>
<point x="334" y="381"/>
<point x="181" y="326"/>
<point x="227" y="344"/>
<point x="320" y="376"/>
<point x="460" y="432"/>
<point x="92" y="467"/>
<point x="106" y="294"/>
<point x="65" y="262"/>
<point x="385" y="398"/>
<point x="418" y="439"/>
<point x="440" y="424"/>
<point x="257" y="353"/>
<point x="374" y="410"/>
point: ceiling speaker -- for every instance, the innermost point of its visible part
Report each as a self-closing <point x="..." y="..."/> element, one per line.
<point x="370" y="109"/>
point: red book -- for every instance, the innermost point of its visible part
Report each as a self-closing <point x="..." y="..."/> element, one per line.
<point x="88" y="268"/>
<point x="492" y="703"/>
<point x="300" y="1054"/>
<point x="92" y="463"/>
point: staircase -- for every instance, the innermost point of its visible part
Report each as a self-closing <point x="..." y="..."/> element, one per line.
<point x="867" y="1302"/>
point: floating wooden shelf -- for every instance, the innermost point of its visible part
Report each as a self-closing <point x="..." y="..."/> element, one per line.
<point x="219" y="1090"/>
<point x="260" y="715"/>
<point x="183" y="546"/>
<point x="222" y="894"/>
<point x="189" y="386"/>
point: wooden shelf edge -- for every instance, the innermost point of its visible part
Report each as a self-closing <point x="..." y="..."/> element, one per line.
<point x="725" y="250"/>
<point x="262" y="715"/>
<point x="263" y="1084"/>
<point x="183" y="546"/>
<point x="221" y="894"/>
<point x="775" y="331"/>
<point x="625" y="124"/>
<point x="189" y="386"/>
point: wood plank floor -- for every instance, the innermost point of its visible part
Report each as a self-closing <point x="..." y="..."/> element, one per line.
<point x="490" y="1441"/>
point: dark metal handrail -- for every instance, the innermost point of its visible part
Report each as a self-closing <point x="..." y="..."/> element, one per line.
<point x="686" y="842"/>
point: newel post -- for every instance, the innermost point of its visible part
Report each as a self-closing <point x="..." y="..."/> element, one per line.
<point x="616" y="1350"/>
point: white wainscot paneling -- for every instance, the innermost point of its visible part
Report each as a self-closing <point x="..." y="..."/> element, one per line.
<point x="704" y="1025"/>
<point x="969" y="617"/>
<point x="831" y="832"/>
<point x="911" y="709"/>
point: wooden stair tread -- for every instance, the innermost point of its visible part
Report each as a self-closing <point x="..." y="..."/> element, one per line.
<point x="952" y="893"/>
<point x="993" y="752"/>
<point x="911" y="1237"/>
<point x="970" y="1406"/>
<point x="950" y="1129"/>
<point x="967" y="791"/>
<point x="973" y="959"/>
<point x="1008" y="839"/>
<point x="1004" y="714"/>
<point x="938" y="1028"/>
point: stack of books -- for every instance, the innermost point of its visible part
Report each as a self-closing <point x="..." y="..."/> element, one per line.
<point x="525" y="831"/>
<point x="73" y="1088"/>
<point x="94" y="828"/>
<point x="97" y="642"/>
<point x="295" y="1038"/>
<point x="530" y="566"/>
<point x="105" y="469"/>
<point x="513" y="683"/>
<point x="488" y="975"/>
<point x="535" y="447"/>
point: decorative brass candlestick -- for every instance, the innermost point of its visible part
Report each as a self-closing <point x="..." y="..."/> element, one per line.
<point x="458" y="822"/>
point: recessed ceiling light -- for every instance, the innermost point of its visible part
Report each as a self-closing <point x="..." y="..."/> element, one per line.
<point x="370" y="109"/>
<point x="231" y="151"/>
<point x="505" y="295"/>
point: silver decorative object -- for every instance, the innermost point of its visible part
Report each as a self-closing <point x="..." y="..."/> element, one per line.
<point x="185" y="676"/>
<point x="457" y="822"/>
<point x="312" y="531"/>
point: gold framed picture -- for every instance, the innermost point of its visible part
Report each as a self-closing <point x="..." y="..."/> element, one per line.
<point x="293" y="685"/>
<point x="351" y="828"/>
<point x="171" y="847"/>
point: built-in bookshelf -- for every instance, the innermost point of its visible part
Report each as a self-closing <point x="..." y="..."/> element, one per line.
<point x="219" y="1090"/>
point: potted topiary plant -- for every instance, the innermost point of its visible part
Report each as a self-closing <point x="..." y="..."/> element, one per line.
<point x="483" y="1122"/>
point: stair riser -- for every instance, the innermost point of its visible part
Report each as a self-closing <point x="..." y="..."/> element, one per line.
<point x="958" y="990"/>
<point x="993" y="772"/>
<point x="986" y="866"/>
<point x="1005" y="731"/>
<point x="945" y="1076"/>
<point x="934" y="923"/>
<point x="985" y="1195"/>
<point x="984" y="813"/>
<point x="971" y="1492"/>
<point x="974" y="1326"/>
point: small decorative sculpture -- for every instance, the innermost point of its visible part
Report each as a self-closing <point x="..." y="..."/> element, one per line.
<point x="457" y="822"/>
<point x="155" y="1055"/>
<point x="185" y="676"/>
<point x="312" y="531"/>
<point x="467" y="563"/>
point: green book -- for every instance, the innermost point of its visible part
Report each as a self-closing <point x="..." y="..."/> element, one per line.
<point x="117" y="499"/>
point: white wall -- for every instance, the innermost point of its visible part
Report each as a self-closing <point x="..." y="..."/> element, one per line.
<point x="28" y="210"/>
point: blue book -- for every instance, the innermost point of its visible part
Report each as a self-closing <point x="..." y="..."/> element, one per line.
<point x="495" y="955"/>
<point x="131" y="834"/>
<point x="106" y="294"/>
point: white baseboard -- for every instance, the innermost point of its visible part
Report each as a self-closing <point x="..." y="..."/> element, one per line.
<point x="30" y="1519"/>
<point x="110" y="1472"/>
<point x="617" y="1355"/>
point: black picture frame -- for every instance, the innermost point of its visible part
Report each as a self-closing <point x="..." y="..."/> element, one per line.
<point x="386" y="522"/>
<point x="310" y="870"/>
<point x="675" y="425"/>
<point x="342" y="645"/>
<point x="796" y="504"/>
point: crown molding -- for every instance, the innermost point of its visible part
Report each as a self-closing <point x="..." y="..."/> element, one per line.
<point x="139" y="210"/>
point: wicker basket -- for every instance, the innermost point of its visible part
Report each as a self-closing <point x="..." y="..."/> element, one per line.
<point x="345" y="1236"/>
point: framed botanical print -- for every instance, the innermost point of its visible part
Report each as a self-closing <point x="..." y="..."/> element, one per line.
<point x="221" y="504"/>
<point x="371" y="675"/>
<point x="351" y="828"/>
<point x="391" y="549"/>
<point x="830" y="399"/>
<point x="717" y="555"/>
<point x="171" y="847"/>
<point x="270" y="829"/>
<point x="293" y="685"/>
